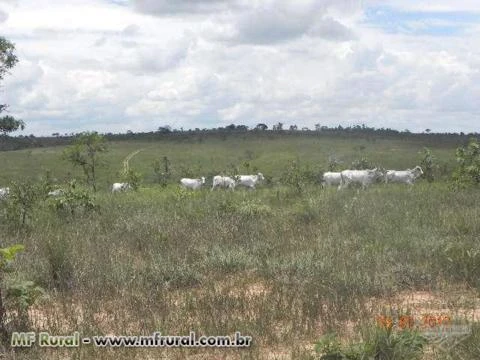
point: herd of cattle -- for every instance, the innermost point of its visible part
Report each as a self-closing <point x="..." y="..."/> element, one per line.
<point x="226" y="182"/>
<point x="367" y="177"/>
<point x="341" y="179"/>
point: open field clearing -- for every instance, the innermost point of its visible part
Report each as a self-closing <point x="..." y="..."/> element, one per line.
<point x="282" y="264"/>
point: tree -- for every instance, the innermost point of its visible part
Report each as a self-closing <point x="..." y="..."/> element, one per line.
<point x="293" y="127"/>
<point x="165" y="129"/>
<point x="7" y="61"/>
<point x="7" y="57"/>
<point x="278" y="127"/>
<point x="9" y="124"/>
<point x="261" y="127"/>
<point x="85" y="152"/>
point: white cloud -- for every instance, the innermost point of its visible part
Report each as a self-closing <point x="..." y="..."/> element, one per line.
<point x="428" y="5"/>
<point x="109" y="66"/>
<point x="161" y="7"/>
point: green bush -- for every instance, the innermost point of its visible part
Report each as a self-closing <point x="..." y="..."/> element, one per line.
<point x="20" y="296"/>
<point x="132" y="178"/>
<point x="362" y="164"/>
<point x="22" y="201"/>
<point x="428" y="164"/>
<point x="299" y="176"/>
<point x="468" y="159"/>
<point x="73" y="200"/>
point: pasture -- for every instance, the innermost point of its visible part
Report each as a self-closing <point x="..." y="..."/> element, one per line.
<point x="282" y="265"/>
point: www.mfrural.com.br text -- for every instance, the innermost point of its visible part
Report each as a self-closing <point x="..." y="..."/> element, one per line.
<point x="45" y="339"/>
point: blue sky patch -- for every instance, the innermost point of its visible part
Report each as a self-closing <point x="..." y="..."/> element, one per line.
<point x="438" y="23"/>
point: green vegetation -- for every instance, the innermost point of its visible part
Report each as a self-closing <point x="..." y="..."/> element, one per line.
<point x="285" y="263"/>
<point x="428" y="164"/>
<point x="468" y="158"/>
<point x="85" y="153"/>
<point x="379" y="343"/>
<point x="8" y="59"/>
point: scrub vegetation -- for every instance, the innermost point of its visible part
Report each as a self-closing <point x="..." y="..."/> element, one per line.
<point x="289" y="263"/>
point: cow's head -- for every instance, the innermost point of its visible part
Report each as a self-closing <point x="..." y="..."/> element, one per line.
<point x="417" y="171"/>
<point x="260" y="176"/>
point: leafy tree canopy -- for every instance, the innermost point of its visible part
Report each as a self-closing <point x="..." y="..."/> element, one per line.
<point x="8" y="59"/>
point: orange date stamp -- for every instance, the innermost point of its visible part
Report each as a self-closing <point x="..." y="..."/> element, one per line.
<point x="410" y="321"/>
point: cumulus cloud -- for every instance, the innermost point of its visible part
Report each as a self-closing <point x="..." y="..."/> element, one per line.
<point x="161" y="7"/>
<point x="264" y="22"/>
<point x="212" y="63"/>
<point x="331" y="29"/>
<point x="274" y="22"/>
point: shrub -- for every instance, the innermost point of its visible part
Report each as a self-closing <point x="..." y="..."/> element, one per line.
<point x="428" y="164"/>
<point x="73" y="200"/>
<point x="85" y="153"/>
<point x="386" y="344"/>
<point x="162" y="171"/>
<point x="298" y="176"/>
<point x="468" y="159"/>
<point x="333" y="163"/>
<point x="21" y="295"/>
<point x="362" y="164"/>
<point x="22" y="200"/>
<point x="132" y="177"/>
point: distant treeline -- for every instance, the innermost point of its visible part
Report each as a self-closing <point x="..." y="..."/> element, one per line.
<point x="260" y="131"/>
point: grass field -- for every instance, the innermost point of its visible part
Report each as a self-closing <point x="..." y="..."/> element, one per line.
<point x="280" y="265"/>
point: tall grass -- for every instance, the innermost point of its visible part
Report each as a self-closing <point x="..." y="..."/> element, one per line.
<point x="279" y="265"/>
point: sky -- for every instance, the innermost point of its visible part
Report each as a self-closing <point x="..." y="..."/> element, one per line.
<point x="118" y="65"/>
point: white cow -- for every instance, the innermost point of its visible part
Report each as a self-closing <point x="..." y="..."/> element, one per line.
<point x="332" y="178"/>
<point x="193" y="184"/>
<point x="249" y="180"/>
<point x="403" y="176"/>
<point x="223" y="182"/>
<point x="362" y="177"/>
<point x="4" y="192"/>
<point x="118" y="187"/>
<point x="56" y="193"/>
